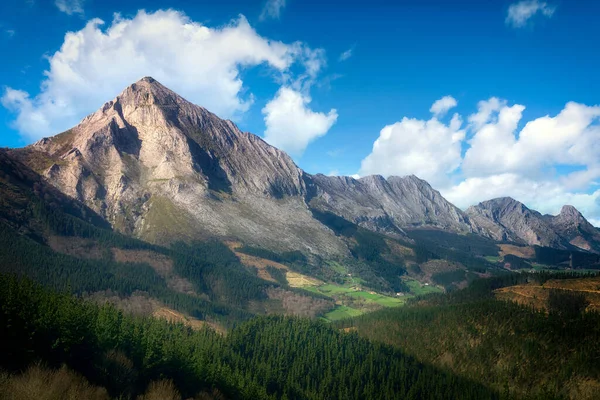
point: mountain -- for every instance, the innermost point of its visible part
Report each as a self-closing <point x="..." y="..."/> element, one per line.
<point x="21" y="190"/>
<point x="575" y="229"/>
<point x="160" y="168"/>
<point x="506" y="219"/>
<point x="157" y="167"/>
<point x="386" y="206"/>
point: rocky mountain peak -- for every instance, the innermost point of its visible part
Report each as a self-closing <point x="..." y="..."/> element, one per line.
<point x="149" y="91"/>
<point x="508" y="219"/>
<point x="505" y="218"/>
<point x="159" y="167"/>
<point x="570" y="213"/>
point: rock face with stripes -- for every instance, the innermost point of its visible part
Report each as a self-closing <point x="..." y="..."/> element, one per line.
<point x="387" y="205"/>
<point x="506" y="219"/>
<point x="161" y="168"/>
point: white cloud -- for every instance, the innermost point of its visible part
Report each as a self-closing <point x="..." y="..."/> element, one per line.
<point x="291" y="125"/>
<point x="10" y="32"/>
<point x="443" y="105"/>
<point x="70" y="7"/>
<point x="429" y="149"/>
<point x="546" y="195"/>
<point x="519" y="13"/>
<point x="346" y="54"/>
<point x="546" y="162"/>
<point x="272" y="9"/>
<point x="202" y="64"/>
<point x="569" y="138"/>
<point x="333" y="172"/>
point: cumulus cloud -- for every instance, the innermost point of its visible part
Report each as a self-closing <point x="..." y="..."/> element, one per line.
<point x="346" y="54"/>
<point x="443" y="105"/>
<point x="291" y="125"/>
<point x="201" y="63"/>
<point x="70" y="7"/>
<point x="272" y="9"/>
<point x="429" y="149"/>
<point x="519" y="13"/>
<point x="546" y="196"/>
<point x="569" y="138"/>
<point x="496" y="155"/>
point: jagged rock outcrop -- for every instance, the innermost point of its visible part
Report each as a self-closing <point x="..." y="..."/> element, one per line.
<point x="575" y="229"/>
<point x="505" y="219"/>
<point x="161" y="168"/>
<point x="387" y="206"/>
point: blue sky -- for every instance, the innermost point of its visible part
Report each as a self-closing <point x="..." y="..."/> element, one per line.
<point x="509" y="62"/>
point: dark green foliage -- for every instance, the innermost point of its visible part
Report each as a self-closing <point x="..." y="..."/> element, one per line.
<point x="470" y="243"/>
<point x="265" y="358"/>
<point x="338" y="225"/>
<point x="278" y="274"/>
<point x="566" y="304"/>
<point x="435" y="245"/>
<point x="286" y="257"/>
<point x="566" y="258"/>
<point x="215" y="270"/>
<point x="546" y="255"/>
<point x="515" y="349"/>
<point x="424" y="254"/>
<point x="516" y="262"/>
<point x="448" y="278"/>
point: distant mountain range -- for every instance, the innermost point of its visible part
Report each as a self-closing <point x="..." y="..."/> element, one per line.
<point x="157" y="167"/>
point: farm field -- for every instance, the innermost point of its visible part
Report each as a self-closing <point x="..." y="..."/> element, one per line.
<point x="353" y="300"/>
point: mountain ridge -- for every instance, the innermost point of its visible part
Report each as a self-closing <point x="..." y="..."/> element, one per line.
<point x="160" y="168"/>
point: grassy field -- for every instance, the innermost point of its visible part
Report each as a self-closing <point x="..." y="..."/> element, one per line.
<point x="353" y="300"/>
<point x="351" y="297"/>
<point x="382" y="300"/>
<point x="342" y="312"/>
<point x="492" y="259"/>
<point x="418" y="289"/>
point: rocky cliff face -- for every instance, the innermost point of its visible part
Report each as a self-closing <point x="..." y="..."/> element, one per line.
<point x="387" y="206"/>
<point x="509" y="220"/>
<point x="161" y="168"/>
<point x="575" y="229"/>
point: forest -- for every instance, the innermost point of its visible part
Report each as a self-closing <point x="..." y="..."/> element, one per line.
<point x="265" y="358"/>
<point x="517" y="350"/>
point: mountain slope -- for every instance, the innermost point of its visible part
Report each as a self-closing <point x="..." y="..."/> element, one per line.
<point x="505" y="219"/>
<point x="575" y="229"/>
<point x="160" y="168"/>
<point x="386" y="206"/>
